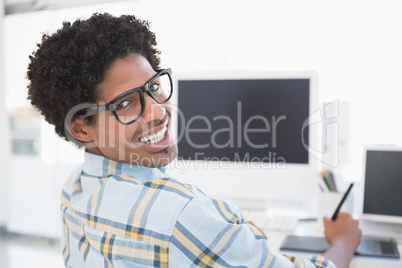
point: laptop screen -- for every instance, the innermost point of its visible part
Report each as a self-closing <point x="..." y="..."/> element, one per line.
<point x="383" y="183"/>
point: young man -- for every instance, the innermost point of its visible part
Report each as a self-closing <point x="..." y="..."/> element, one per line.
<point x="99" y="83"/>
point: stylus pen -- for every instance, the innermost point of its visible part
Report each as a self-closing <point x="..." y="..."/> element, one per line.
<point x="342" y="201"/>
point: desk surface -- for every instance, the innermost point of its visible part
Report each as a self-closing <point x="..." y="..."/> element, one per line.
<point x="275" y="240"/>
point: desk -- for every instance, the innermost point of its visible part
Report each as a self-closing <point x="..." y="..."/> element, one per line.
<point x="275" y="240"/>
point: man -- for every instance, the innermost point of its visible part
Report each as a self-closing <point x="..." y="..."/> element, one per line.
<point x="99" y="83"/>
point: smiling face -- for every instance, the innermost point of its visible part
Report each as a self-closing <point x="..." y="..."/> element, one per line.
<point x="145" y="142"/>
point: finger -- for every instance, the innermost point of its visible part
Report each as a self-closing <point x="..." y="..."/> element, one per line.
<point x="344" y="215"/>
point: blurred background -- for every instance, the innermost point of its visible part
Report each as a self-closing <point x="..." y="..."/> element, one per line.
<point x="354" y="46"/>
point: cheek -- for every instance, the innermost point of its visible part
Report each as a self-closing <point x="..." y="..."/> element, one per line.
<point x="127" y="134"/>
<point x="109" y="130"/>
<point x="113" y="133"/>
<point x="168" y="107"/>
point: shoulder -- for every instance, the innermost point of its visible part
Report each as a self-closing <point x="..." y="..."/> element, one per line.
<point x="211" y="207"/>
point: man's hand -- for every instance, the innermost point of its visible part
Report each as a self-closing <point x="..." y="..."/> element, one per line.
<point x="343" y="236"/>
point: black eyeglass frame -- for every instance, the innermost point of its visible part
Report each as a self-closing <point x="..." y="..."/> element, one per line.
<point x="143" y="89"/>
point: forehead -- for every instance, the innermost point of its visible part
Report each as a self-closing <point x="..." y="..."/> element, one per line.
<point x="124" y="74"/>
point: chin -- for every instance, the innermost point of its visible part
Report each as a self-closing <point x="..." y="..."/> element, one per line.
<point x="170" y="154"/>
<point x="154" y="160"/>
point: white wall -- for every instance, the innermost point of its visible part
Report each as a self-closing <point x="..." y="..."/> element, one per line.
<point x="4" y="135"/>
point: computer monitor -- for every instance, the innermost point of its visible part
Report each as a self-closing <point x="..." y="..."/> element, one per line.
<point x="381" y="191"/>
<point x="247" y="136"/>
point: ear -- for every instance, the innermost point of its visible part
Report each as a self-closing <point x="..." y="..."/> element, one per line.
<point x="80" y="131"/>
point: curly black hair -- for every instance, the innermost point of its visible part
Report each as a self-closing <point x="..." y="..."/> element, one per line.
<point x="68" y="65"/>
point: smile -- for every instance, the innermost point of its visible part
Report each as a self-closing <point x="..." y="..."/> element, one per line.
<point x="155" y="138"/>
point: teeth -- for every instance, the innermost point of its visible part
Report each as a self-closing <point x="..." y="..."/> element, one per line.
<point x="155" y="138"/>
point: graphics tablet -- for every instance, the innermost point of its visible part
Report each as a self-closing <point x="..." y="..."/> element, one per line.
<point x="367" y="247"/>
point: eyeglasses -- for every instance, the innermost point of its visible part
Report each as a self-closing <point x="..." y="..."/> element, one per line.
<point x="129" y="106"/>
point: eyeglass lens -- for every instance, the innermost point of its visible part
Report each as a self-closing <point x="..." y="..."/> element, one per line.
<point x="161" y="88"/>
<point x="129" y="107"/>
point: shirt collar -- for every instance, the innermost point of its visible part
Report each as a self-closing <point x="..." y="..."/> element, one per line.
<point x="100" y="166"/>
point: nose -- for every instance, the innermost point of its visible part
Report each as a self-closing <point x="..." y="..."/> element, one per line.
<point x="153" y="110"/>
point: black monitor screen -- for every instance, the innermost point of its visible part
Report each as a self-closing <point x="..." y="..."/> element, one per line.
<point x="258" y="120"/>
<point x="383" y="183"/>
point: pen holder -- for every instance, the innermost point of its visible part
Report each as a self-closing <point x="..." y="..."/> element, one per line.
<point x="327" y="204"/>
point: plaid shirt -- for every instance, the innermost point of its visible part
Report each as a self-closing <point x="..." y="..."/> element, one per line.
<point x="117" y="215"/>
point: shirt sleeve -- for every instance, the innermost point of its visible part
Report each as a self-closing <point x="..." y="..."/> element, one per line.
<point x="212" y="233"/>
